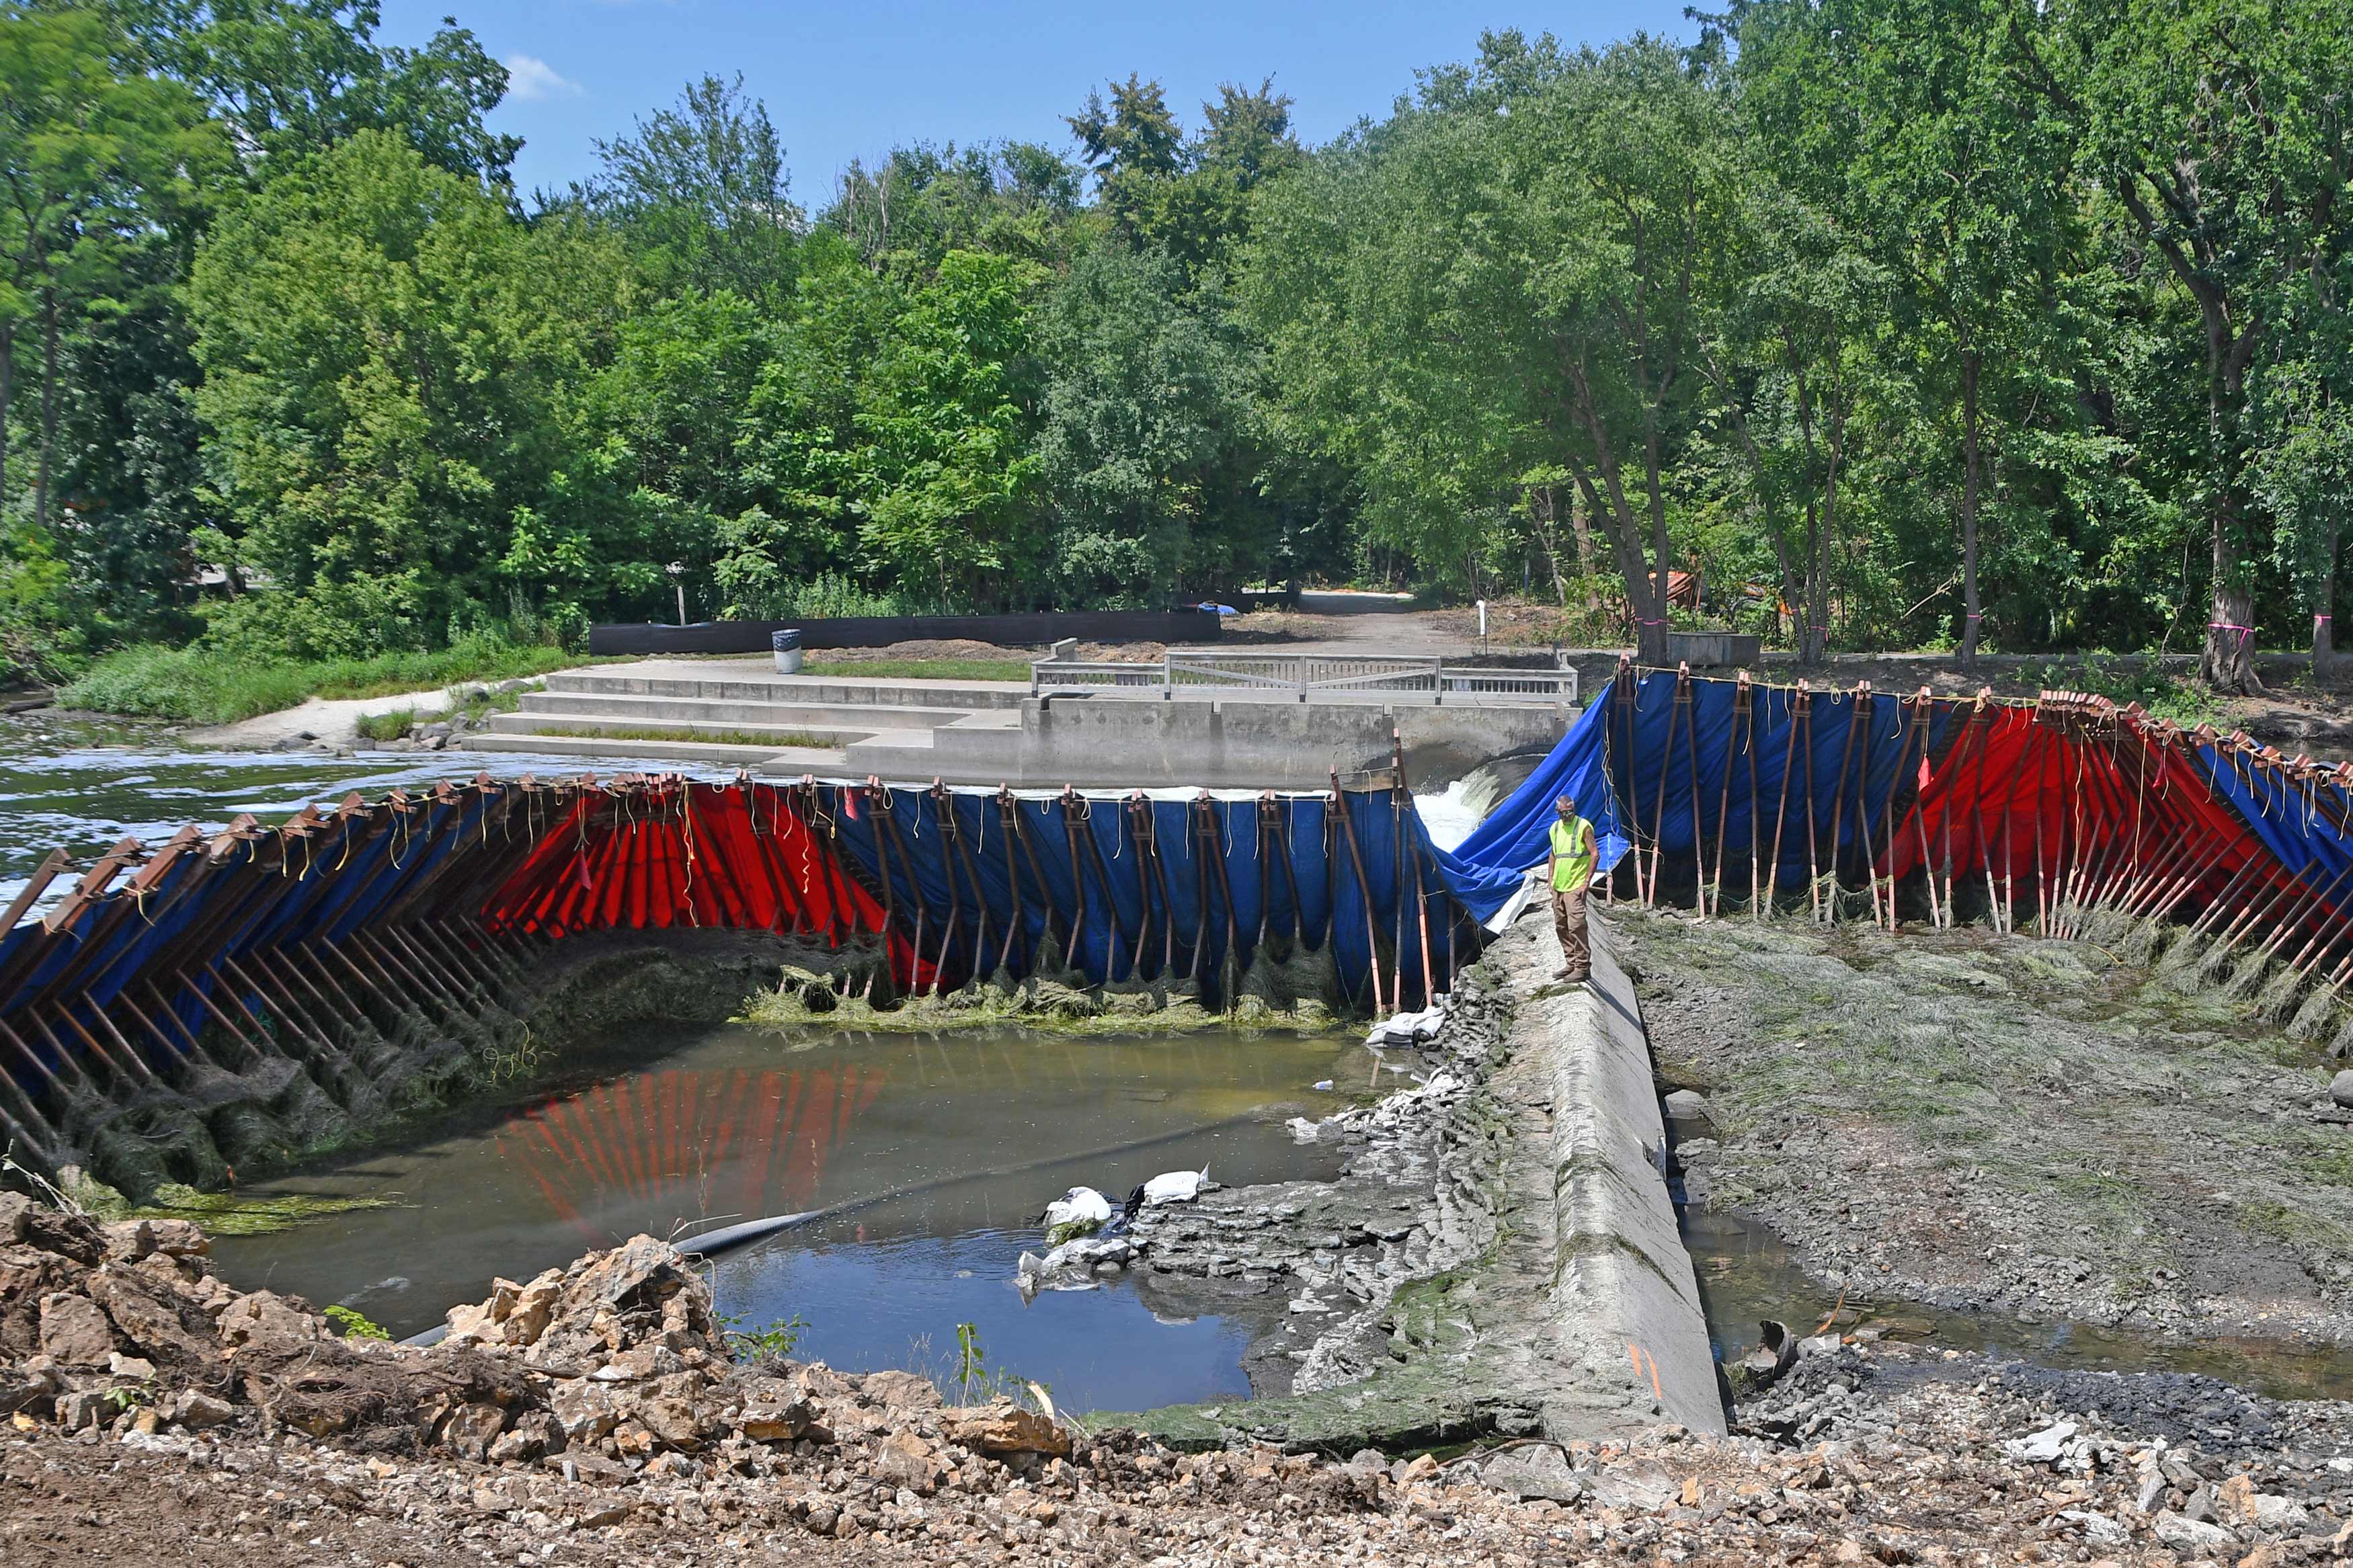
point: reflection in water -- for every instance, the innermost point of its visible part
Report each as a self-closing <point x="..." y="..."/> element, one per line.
<point x="961" y="1138"/>
<point x="661" y="1139"/>
<point x="1095" y="1350"/>
<point x="1745" y="1273"/>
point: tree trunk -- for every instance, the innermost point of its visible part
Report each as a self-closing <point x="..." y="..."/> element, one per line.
<point x="2324" y="629"/>
<point x="1646" y="591"/>
<point x="8" y="391"/>
<point x="1970" y="619"/>
<point x="1660" y="548"/>
<point x="1544" y="504"/>
<point x="48" y="404"/>
<point x="2229" y="662"/>
<point x="1784" y="589"/>
<point x="1814" y="612"/>
<point x="1580" y="528"/>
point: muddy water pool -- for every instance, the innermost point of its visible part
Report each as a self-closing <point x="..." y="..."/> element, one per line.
<point x="1747" y="1273"/>
<point x="963" y="1140"/>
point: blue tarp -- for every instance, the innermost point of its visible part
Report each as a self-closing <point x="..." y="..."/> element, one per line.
<point x="1169" y="888"/>
<point x="1677" y="769"/>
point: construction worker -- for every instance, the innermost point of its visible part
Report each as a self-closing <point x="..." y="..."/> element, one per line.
<point x="1568" y="867"/>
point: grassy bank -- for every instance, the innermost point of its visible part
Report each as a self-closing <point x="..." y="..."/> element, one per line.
<point x="206" y="685"/>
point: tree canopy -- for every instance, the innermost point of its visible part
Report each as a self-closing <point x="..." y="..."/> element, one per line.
<point x="1967" y="323"/>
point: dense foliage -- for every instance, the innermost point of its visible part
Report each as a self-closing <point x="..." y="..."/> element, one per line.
<point x="1979" y="324"/>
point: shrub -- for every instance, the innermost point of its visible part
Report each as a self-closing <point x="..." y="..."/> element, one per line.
<point x="389" y="725"/>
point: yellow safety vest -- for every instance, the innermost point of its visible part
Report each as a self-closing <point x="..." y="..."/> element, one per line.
<point x="1572" y="851"/>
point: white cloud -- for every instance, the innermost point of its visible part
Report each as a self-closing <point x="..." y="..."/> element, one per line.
<point x="531" y="79"/>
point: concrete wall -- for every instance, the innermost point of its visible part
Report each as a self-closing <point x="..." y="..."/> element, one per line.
<point x="1240" y="745"/>
<point x="1625" y="1304"/>
<point x="882" y="631"/>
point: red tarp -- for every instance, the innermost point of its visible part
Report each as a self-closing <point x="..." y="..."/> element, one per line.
<point x="684" y="854"/>
<point x="2081" y="801"/>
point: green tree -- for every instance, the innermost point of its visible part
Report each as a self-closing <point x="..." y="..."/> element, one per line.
<point x="948" y="491"/>
<point x="2218" y="128"/>
<point x="1907" y="121"/>
<point x="701" y="191"/>
<point x="1010" y="198"/>
<point x="388" y="365"/>
<point x="1130" y="144"/>
<point x="1199" y="212"/>
<point x="93" y="155"/>
<point x="804" y="459"/>
<point x="1145" y="434"/>
<point x="1509" y="275"/>
<point x="293" y="77"/>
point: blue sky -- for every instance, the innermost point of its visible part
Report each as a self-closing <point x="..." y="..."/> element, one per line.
<point x="850" y="80"/>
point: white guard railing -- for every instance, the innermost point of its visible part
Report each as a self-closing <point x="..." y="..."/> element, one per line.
<point x="1210" y="672"/>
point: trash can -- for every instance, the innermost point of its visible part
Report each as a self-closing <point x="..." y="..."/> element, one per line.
<point x="788" y="647"/>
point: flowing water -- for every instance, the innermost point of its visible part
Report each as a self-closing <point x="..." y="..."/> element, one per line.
<point x="963" y="1138"/>
<point x="83" y="788"/>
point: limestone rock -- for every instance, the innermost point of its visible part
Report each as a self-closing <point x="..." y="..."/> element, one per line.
<point x="74" y="1329"/>
<point x="471" y="1429"/>
<point x="586" y="1411"/>
<point x="266" y="1318"/>
<point x="2044" y="1448"/>
<point x="638" y="1363"/>
<point x="2340" y="1087"/>
<point x="906" y="1460"/>
<point x="903" y="1390"/>
<point x="534" y="1433"/>
<point x="773" y="1413"/>
<point x="640" y="1292"/>
<point x="1641" y="1488"/>
<point x="1688" y="1110"/>
<point x="196" y="1410"/>
<point x="128" y="1240"/>
<point x="534" y="1306"/>
<point x="25" y="1388"/>
<point x="2184" y="1534"/>
<point x="677" y="1417"/>
<point x="1004" y="1428"/>
<point x="1535" y="1470"/>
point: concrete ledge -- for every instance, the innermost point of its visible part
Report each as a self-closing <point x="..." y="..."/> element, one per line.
<point x="1546" y="1290"/>
<point x="1240" y="745"/>
<point x="1625" y="1303"/>
<point x="633" y="755"/>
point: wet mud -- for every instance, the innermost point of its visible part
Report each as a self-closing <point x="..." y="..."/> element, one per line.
<point x="2014" y="1128"/>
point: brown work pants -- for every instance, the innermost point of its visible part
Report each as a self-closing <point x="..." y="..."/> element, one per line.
<point x="1568" y="924"/>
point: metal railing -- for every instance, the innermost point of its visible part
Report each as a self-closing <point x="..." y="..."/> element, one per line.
<point x="1307" y="677"/>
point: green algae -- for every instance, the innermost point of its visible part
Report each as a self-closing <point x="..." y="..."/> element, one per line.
<point x="227" y="1213"/>
<point x="1296" y="996"/>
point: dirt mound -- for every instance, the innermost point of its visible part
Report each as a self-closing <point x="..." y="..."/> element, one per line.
<point x="617" y="1359"/>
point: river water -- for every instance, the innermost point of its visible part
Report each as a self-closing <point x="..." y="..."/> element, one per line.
<point x="668" y="1131"/>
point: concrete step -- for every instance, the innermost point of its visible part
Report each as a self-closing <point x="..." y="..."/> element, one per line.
<point x="747" y="682"/>
<point x="784" y="760"/>
<point x="835" y="736"/>
<point x="618" y="710"/>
